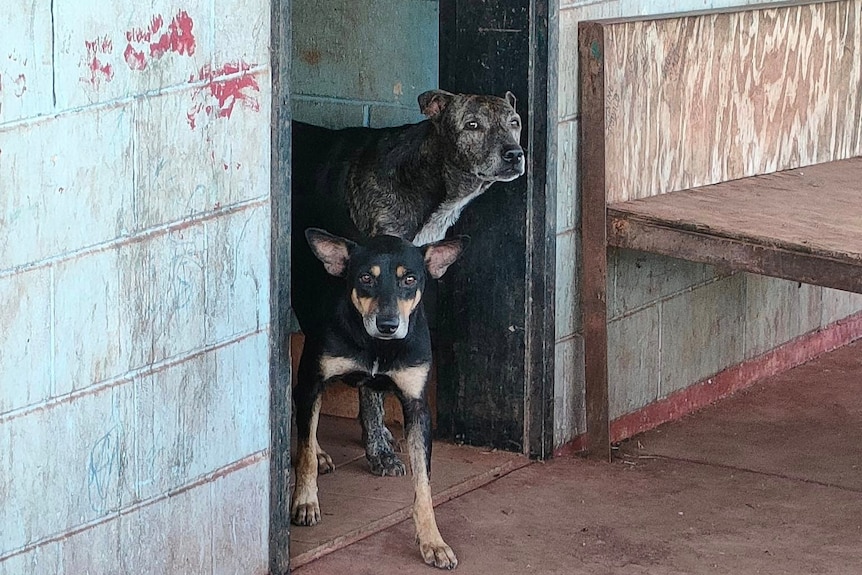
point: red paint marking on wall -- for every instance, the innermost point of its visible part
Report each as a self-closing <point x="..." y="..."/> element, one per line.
<point x="220" y="95"/>
<point x="103" y="45"/>
<point x="139" y="35"/>
<point x="190" y="117"/>
<point x="229" y="92"/>
<point x="134" y="58"/>
<point x="178" y="38"/>
<point x="97" y="70"/>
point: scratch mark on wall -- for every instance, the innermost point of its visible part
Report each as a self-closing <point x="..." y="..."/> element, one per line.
<point x="104" y="455"/>
<point x="20" y="85"/>
<point x="13" y="80"/>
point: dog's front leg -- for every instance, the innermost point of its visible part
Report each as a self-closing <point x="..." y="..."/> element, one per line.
<point x="376" y="436"/>
<point x="434" y="550"/>
<point x="305" y="507"/>
<point x="417" y="421"/>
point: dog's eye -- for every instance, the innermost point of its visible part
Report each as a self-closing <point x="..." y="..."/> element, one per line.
<point x="366" y="279"/>
<point x="409" y="281"/>
<point x="514" y="122"/>
<point x="472" y="125"/>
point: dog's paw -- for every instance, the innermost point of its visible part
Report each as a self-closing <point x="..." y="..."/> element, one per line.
<point x="324" y="463"/>
<point x="305" y="509"/>
<point x="386" y="464"/>
<point x="306" y="514"/>
<point x="439" y="555"/>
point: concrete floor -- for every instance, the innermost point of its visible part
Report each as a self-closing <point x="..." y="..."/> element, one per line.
<point x="766" y="482"/>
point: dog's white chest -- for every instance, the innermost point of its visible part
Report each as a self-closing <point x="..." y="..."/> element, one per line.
<point x="443" y="218"/>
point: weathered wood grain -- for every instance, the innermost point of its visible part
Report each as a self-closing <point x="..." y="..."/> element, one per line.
<point x="814" y="211"/>
<point x="700" y="99"/>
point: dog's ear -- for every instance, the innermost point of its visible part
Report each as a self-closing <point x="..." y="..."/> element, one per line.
<point x="440" y="255"/>
<point x="510" y="97"/>
<point x="433" y="102"/>
<point x="332" y="250"/>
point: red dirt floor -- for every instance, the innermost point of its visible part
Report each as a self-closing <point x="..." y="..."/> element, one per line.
<point x="768" y="481"/>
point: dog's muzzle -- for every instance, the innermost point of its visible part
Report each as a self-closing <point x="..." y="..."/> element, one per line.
<point x="513" y="164"/>
<point x="513" y="155"/>
<point x="385" y="327"/>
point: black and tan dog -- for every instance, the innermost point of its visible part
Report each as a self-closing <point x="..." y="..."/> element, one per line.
<point x="411" y="181"/>
<point x="375" y="336"/>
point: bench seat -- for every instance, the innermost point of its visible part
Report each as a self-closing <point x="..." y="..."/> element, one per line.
<point x="742" y="97"/>
<point x="803" y="224"/>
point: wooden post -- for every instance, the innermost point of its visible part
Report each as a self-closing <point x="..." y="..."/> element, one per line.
<point x="279" y="375"/>
<point x="495" y="340"/>
<point x="594" y="272"/>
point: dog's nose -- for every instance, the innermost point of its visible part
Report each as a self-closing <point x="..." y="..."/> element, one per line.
<point x="387" y="325"/>
<point x="513" y="155"/>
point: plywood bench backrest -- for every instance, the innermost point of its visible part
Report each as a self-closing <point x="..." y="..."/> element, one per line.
<point x="679" y="102"/>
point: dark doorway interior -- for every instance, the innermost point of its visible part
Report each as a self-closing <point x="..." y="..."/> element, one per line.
<point x="342" y="63"/>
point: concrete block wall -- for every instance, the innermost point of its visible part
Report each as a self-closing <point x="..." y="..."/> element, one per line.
<point x="362" y="63"/>
<point x="671" y="323"/>
<point x="134" y="286"/>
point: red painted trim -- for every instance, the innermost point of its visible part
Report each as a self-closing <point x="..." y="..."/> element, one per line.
<point x="786" y="356"/>
<point x="573" y="447"/>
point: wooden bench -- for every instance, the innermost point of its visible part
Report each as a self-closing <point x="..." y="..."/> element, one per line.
<point x="727" y="137"/>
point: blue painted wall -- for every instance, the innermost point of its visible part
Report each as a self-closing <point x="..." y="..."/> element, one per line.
<point x="362" y="63"/>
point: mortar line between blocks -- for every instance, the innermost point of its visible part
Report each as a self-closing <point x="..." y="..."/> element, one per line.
<point x="132" y="98"/>
<point x="659" y="386"/>
<point x="630" y="312"/>
<point x="129" y="376"/>
<point x="198" y="481"/>
<point x="139" y="236"/>
<point x="52" y="314"/>
<point x="336" y="100"/>
<point x="53" y="59"/>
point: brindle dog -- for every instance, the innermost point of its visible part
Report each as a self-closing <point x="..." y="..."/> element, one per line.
<point x="375" y="336"/>
<point x="411" y="181"/>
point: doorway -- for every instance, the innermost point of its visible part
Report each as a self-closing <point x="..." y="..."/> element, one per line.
<point x="349" y="63"/>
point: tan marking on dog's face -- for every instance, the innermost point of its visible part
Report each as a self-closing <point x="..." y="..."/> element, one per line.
<point x="332" y="367"/>
<point x="406" y="306"/>
<point x="411" y="380"/>
<point x="400" y="271"/>
<point x="375" y="271"/>
<point x="364" y="305"/>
